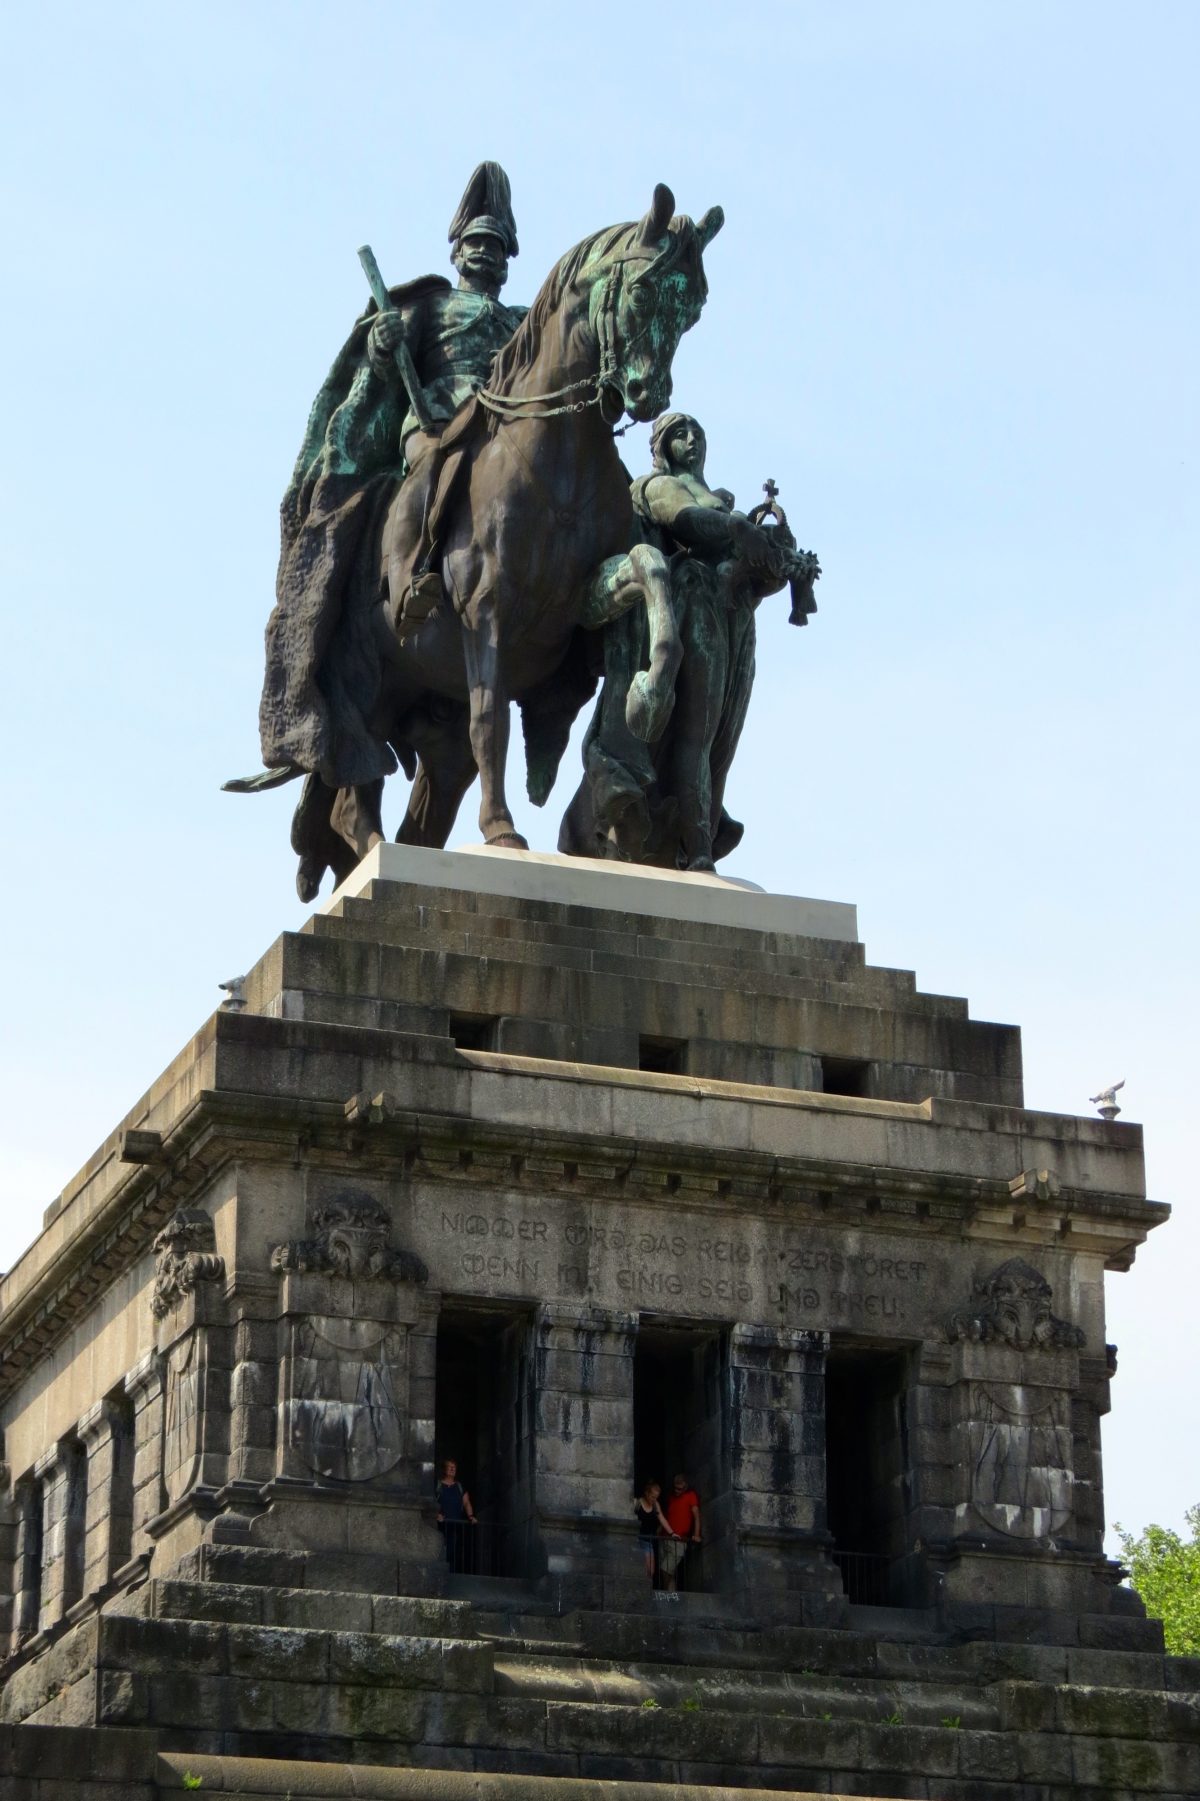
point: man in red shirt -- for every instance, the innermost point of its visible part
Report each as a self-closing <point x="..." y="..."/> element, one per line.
<point x="683" y="1517"/>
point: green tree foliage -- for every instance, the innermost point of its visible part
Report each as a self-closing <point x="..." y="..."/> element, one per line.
<point x="1165" y="1570"/>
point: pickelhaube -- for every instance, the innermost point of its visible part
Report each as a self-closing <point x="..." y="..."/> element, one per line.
<point x="486" y="205"/>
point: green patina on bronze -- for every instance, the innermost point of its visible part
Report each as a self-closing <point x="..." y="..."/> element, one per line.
<point x="663" y="802"/>
<point x="459" y="534"/>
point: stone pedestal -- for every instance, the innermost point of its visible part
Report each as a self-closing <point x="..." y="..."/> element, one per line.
<point x="582" y="1177"/>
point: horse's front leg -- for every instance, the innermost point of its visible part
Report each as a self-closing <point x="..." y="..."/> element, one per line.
<point x="644" y="574"/>
<point x="489" y="728"/>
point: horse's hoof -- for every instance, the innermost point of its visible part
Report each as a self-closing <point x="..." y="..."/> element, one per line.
<point x="508" y="841"/>
<point x="647" y="709"/>
<point x="702" y="866"/>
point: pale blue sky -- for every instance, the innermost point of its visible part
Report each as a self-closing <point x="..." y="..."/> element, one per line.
<point x="953" y="313"/>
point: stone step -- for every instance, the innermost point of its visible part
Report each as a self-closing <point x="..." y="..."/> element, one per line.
<point x="395" y="904"/>
<point x="505" y="1616"/>
<point x="347" y="1696"/>
<point x="1121" y="1712"/>
<point x="503" y="1594"/>
<point x="888" y="1654"/>
<point x="918" y="1702"/>
<point x="444" y="929"/>
<point x="648" y="959"/>
<point x="245" y="1779"/>
<point x="307" y="1609"/>
<point x="842" y="1023"/>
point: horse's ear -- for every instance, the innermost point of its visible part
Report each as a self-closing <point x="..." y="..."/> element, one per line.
<point x="708" y="227"/>
<point x="659" y="217"/>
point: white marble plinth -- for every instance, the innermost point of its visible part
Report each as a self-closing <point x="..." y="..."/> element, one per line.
<point x="588" y="882"/>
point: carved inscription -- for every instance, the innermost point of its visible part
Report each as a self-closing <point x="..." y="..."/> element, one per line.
<point x="851" y="1288"/>
<point x="644" y="1265"/>
<point x="520" y="1237"/>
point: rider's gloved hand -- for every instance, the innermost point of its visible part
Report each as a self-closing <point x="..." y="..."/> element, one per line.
<point x="387" y="331"/>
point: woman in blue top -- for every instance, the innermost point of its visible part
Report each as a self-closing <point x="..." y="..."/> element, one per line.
<point x="454" y="1512"/>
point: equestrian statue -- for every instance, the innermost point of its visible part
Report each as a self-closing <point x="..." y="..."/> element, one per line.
<point x="459" y="534"/>
<point x="459" y="527"/>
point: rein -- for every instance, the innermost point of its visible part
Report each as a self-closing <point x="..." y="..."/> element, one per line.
<point x="510" y="409"/>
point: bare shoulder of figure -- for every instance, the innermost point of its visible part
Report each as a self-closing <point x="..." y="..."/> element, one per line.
<point x="664" y="496"/>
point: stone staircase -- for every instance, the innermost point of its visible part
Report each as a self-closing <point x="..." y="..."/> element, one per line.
<point x="754" y="1006"/>
<point x="669" y="1695"/>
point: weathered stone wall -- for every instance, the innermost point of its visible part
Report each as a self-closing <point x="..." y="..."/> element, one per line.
<point x="332" y="1243"/>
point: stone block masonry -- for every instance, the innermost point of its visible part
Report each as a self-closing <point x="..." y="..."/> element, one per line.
<point x="580" y="1178"/>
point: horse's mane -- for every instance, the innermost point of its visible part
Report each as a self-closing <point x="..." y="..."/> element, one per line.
<point x="522" y="348"/>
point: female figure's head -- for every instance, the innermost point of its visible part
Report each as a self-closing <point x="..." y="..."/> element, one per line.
<point x="449" y="1470"/>
<point x="651" y="1492"/>
<point x="678" y="445"/>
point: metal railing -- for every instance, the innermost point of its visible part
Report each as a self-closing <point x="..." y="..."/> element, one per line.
<point x="865" y="1577"/>
<point x="687" y="1576"/>
<point x="487" y="1548"/>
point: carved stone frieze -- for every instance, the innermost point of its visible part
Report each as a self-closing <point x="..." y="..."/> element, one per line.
<point x="186" y="1254"/>
<point x="344" y="1416"/>
<point x="1012" y="1306"/>
<point x="352" y="1236"/>
<point x="1021" y="1475"/>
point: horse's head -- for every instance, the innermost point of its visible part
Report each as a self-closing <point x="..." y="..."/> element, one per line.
<point x="651" y="294"/>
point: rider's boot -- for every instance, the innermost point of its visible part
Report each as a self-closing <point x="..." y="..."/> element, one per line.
<point x="422" y="597"/>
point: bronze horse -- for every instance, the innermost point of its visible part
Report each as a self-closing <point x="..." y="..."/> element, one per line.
<point x="538" y="544"/>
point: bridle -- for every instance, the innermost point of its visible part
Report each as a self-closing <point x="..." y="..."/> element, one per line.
<point x="509" y="409"/>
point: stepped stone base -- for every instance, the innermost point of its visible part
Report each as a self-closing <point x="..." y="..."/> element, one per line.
<point x="579" y="1176"/>
<point x="44" y="1766"/>
<point x="261" y="1690"/>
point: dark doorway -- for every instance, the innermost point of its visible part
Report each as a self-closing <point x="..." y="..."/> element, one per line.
<point x="680" y="1380"/>
<point x="483" y="1420"/>
<point x="866" y="1463"/>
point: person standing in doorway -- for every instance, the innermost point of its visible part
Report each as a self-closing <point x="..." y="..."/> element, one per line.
<point x="683" y="1528"/>
<point x="454" y="1513"/>
<point x="650" y="1522"/>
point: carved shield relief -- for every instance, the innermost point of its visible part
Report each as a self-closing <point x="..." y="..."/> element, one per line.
<point x="1022" y="1472"/>
<point x="182" y="1407"/>
<point x="342" y="1419"/>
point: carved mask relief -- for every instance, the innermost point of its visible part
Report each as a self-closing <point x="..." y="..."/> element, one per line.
<point x="1012" y="1306"/>
<point x="352" y="1237"/>
<point x="184" y="1254"/>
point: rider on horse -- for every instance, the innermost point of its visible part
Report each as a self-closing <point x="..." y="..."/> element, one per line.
<point x="365" y="433"/>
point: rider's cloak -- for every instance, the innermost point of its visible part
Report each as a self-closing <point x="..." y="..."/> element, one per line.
<point x="322" y="669"/>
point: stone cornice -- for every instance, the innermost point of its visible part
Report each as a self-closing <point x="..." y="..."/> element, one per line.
<point x="409" y="1144"/>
